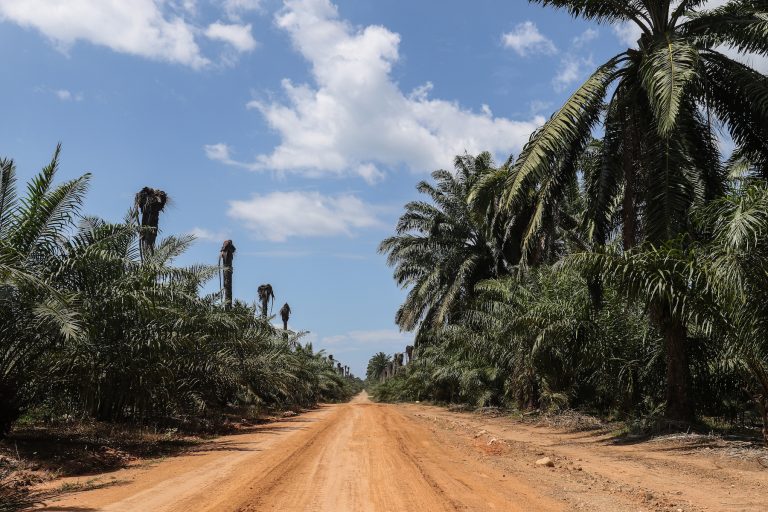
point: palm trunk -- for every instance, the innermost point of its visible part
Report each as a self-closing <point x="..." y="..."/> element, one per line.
<point x="228" y="271"/>
<point x="629" y="218"/>
<point x="760" y="397"/>
<point x="10" y="408"/>
<point x="149" y="203"/>
<point x="678" y="375"/>
<point x="762" y="405"/>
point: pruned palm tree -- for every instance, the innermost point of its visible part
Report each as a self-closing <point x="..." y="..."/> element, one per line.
<point x="266" y="293"/>
<point x="97" y="327"/>
<point x="285" y="315"/>
<point x="658" y="105"/>
<point x="226" y="258"/>
<point x="149" y="204"/>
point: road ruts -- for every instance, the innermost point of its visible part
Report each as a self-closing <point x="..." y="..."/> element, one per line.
<point x="356" y="457"/>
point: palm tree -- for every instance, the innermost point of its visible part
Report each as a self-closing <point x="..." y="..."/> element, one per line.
<point x="409" y="353"/>
<point x="149" y="202"/>
<point x="35" y="314"/>
<point x="285" y="315"/>
<point x="735" y="262"/>
<point x="441" y="250"/>
<point x="265" y="294"/>
<point x="659" y="154"/>
<point x="226" y="257"/>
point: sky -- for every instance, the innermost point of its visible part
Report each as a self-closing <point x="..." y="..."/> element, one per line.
<point x="297" y="128"/>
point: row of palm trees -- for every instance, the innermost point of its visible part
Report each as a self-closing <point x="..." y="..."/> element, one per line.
<point x="96" y="321"/>
<point x="382" y="367"/>
<point x="149" y="203"/>
<point x="584" y="258"/>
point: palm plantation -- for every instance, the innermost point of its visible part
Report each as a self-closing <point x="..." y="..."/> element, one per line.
<point x="617" y="266"/>
<point x="516" y="269"/>
<point x="658" y="157"/>
<point x="96" y="319"/>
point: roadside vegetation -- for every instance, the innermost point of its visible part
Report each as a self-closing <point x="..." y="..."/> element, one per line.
<point x="100" y="329"/>
<point x="619" y="264"/>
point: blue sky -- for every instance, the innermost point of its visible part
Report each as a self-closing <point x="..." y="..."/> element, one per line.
<point x="297" y="128"/>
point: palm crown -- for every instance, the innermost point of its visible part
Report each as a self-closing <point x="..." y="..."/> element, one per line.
<point x="659" y="105"/>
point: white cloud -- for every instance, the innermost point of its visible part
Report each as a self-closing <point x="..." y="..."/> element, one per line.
<point x="239" y="36"/>
<point x="588" y="35"/>
<point x="221" y="153"/>
<point x="370" y="173"/>
<point x="757" y="62"/>
<point x="138" y="27"/>
<point x="235" y="8"/>
<point x="355" y="119"/>
<point x="526" y="40"/>
<point x="184" y="6"/>
<point x="628" y="33"/>
<point x="207" y="235"/>
<point x="65" y="95"/>
<point x="572" y="68"/>
<point x="375" y="337"/>
<point x="539" y="106"/>
<point x="282" y="215"/>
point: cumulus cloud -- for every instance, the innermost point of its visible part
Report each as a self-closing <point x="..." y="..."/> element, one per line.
<point x="282" y="215"/>
<point x="220" y="152"/>
<point x="355" y="119"/>
<point x="526" y="40"/>
<point x="239" y="36"/>
<point x="138" y="27"/>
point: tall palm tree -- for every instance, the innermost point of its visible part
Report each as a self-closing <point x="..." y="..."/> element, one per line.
<point x="35" y="314"/>
<point x="265" y="294"/>
<point x="441" y="249"/>
<point x="149" y="203"/>
<point x="658" y="105"/>
<point x="737" y="265"/>
<point x="226" y="258"/>
<point x="409" y="353"/>
<point x="376" y="366"/>
<point x="285" y="315"/>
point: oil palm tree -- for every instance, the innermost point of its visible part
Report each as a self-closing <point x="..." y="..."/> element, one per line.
<point x="35" y="314"/>
<point x="226" y="258"/>
<point x="658" y="104"/>
<point x="149" y="204"/>
<point x="265" y="293"/>
<point x="441" y="249"/>
<point x="736" y="264"/>
<point x="285" y="315"/>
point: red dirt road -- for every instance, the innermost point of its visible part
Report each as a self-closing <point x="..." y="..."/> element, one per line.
<point x="365" y="457"/>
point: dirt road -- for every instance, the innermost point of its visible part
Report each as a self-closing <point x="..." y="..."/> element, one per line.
<point x="363" y="456"/>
